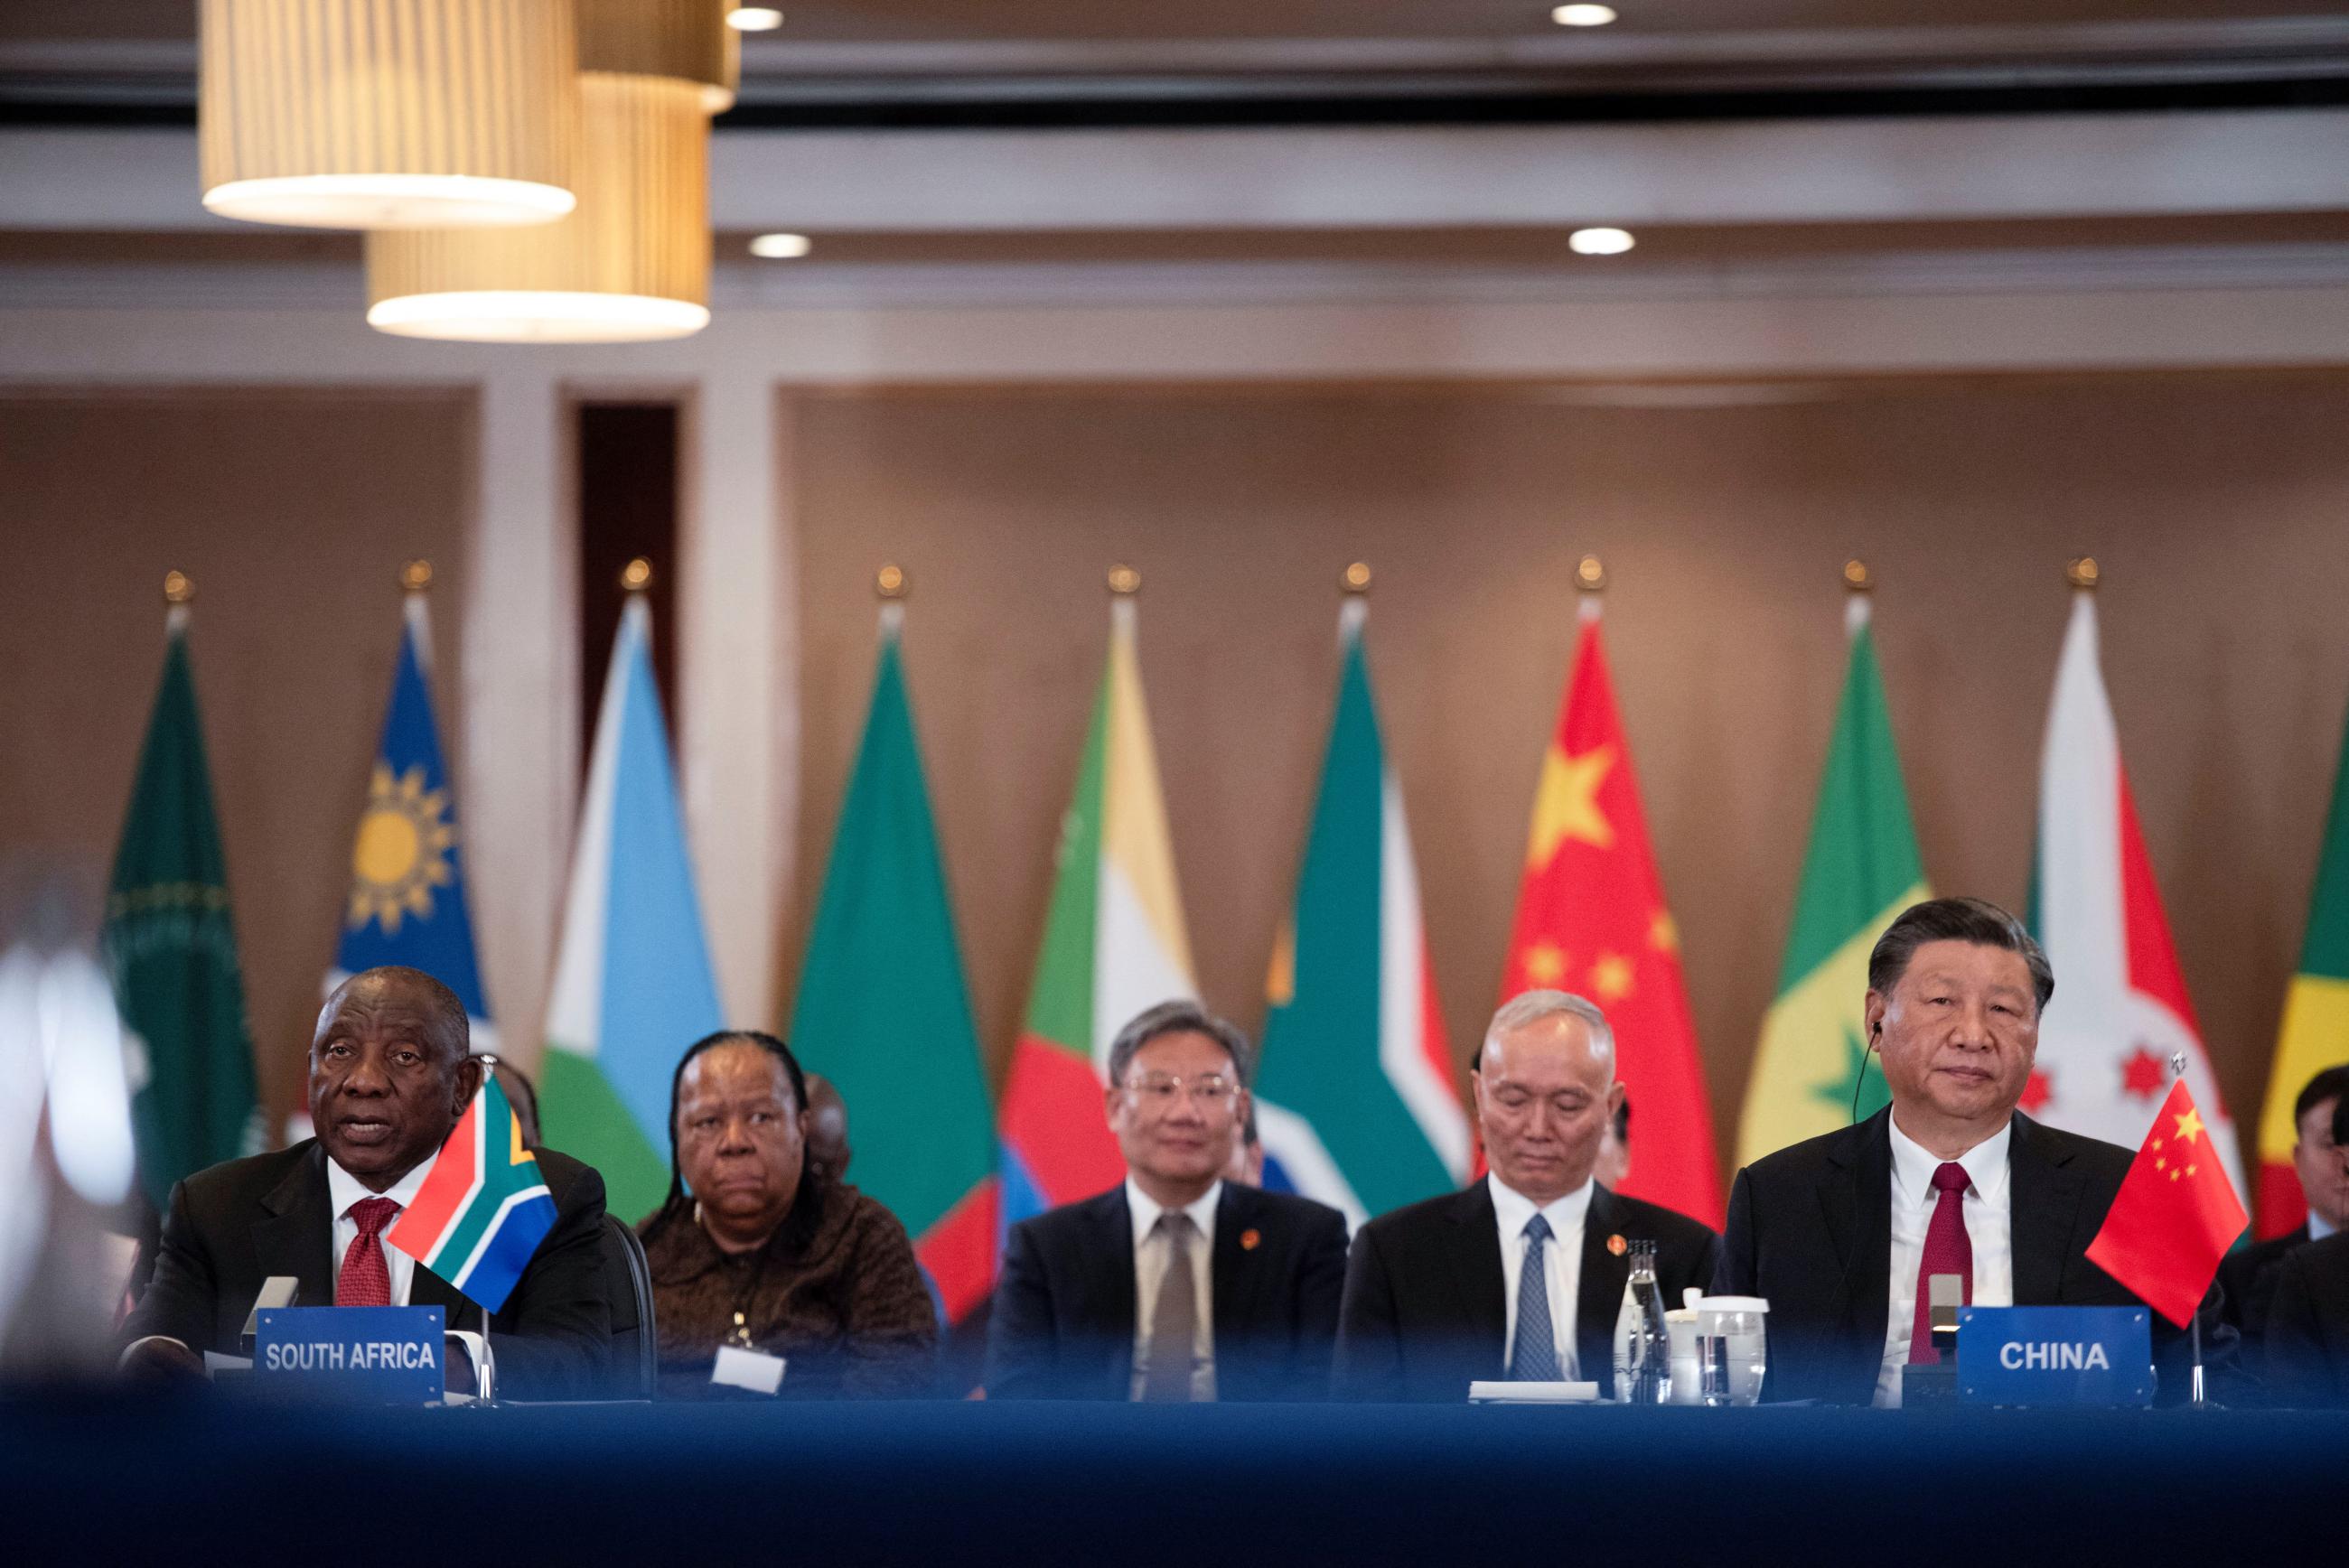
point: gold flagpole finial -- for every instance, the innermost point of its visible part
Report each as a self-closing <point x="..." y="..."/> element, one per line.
<point x="1356" y="578"/>
<point x="1858" y="577"/>
<point x="890" y="582"/>
<point x="179" y="588"/>
<point x="417" y="575"/>
<point x="636" y="575"/>
<point x="2083" y="573"/>
<point x="1124" y="580"/>
<point x="1591" y="574"/>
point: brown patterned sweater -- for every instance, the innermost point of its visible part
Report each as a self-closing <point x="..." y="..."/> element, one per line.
<point x="849" y="1314"/>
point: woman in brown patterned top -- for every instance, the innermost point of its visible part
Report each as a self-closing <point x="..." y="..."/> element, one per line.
<point x="755" y="1248"/>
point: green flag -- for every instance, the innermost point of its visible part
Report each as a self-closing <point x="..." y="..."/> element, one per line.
<point x="1861" y="870"/>
<point x="172" y="950"/>
<point x="883" y="1011"/>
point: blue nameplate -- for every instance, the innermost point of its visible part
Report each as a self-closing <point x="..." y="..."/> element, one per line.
<point x="2055" y="1355"/>
<point x="358" y="1354"/>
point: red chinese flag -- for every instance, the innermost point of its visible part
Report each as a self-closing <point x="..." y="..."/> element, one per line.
<point x="1591" y="920"/>
<point x="2176" y="1216"/>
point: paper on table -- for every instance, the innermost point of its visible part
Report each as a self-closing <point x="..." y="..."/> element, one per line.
<point x="753" y="1370"/>
<point x="1499" y="1393"/>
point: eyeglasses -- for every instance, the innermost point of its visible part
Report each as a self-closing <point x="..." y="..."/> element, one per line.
<point x="1159" y="1090"/>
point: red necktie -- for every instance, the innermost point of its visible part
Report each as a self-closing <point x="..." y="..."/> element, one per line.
<point x="366" y="1279"/>
<point x="1947" y="1249"/>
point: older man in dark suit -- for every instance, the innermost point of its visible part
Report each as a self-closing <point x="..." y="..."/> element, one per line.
<point x="1178" y="1284"/>
<point x="389" y="1075"/>
<point x="1519" y="1275"/>
<point x="1842" y="1232"/>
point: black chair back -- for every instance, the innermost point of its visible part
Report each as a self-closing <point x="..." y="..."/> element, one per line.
<point x="628" y="1287"/>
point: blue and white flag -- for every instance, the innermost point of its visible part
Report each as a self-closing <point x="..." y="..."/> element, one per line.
<point x="632" y="983"/>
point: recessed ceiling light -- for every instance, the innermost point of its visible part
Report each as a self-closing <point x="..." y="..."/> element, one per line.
<point x="766" y="18"/>
<point x="1570" y="16"/>
<point x="1600" y="242"/>
<point x="781" y="247"/>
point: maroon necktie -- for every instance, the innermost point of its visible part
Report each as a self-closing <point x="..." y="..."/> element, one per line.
<point x="1948" y="1251"/>
<point x="366" y="1279"/>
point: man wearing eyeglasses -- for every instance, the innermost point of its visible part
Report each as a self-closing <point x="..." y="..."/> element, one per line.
<point x="1175" y="1286"/>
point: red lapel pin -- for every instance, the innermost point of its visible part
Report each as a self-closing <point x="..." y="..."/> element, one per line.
<point x="1618" y="1245"/>
<point x="1250" y="1240"/>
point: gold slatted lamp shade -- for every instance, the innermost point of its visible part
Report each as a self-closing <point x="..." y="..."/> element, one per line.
<point x="631" y="263"/>
<point x="367" y="114"/>
<point x="687" y="40"/>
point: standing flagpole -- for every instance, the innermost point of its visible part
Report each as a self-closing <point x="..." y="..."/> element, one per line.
<point x="2194" y="1382"/>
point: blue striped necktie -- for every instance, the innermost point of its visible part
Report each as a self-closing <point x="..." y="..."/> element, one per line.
<point x="1534" y="1359"/>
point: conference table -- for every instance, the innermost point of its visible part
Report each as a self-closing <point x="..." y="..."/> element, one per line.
<point x="215" y="1479"/>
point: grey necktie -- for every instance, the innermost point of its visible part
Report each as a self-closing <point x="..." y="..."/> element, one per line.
<point x="1535" y="1358"/>
<point x="1174" y="1327"/>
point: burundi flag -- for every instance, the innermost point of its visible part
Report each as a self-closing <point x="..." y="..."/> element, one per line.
<point x="882" y="1012"/>
<point x="1113" y="945"/>
<point x="1591" y="919"/>
<point x="407" y="872"/>
<point x="171" y="948"/>
<point x="1355" y="1099"/>
<point x="2315" y="1033"/>
<point x="2120" y="1010"/>
<point x="1860" y="871"/>
<point x="483" y="1207"/>
<point x="633" y="986"/>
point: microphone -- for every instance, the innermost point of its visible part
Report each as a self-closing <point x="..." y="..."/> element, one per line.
<point x="1945" y="1293"/>
<point x="276" y="1291"/>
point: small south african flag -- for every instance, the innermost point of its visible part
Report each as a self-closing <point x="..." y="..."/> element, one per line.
<point x="485" y="1208"/>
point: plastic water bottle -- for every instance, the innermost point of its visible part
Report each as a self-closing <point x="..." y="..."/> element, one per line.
<point x="1643" y="1365"/>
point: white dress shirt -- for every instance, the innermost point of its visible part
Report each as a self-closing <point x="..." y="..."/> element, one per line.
<point x="2317" y="1229"/>
<point x="1561" y="1262"/>
<point x="344" y="1192"/>
<point x="1152" y="1253"/>
<point x="1988" y="1229"/>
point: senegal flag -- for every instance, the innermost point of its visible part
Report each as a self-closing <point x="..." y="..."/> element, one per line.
<point x="1861" y="870"/>
<point x="1114" y="945"/>
<point x="2315" y="1033"/>
<point x="882" y="1012"/>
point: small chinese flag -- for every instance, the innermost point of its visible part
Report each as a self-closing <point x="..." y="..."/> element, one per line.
<point x="2175" y="1215"/>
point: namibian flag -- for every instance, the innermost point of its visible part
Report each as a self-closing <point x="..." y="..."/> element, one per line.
<point x="483" y="1209"/>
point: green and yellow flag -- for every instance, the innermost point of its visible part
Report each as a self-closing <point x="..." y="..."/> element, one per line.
<point x="1860" y="871"/>
<point x="172" y="950"/>
<point x="2315" y="1033"/>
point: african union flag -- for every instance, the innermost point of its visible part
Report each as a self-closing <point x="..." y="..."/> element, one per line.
<point x="483" y="1208"/>
<point x="407" y="902"/>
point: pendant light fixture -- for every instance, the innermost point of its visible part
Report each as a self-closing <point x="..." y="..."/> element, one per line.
<point x="632" y="263"/>
<point x="366" y="114"/>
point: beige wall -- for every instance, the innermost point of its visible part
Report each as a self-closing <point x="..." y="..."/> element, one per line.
<point x="292" y="512"/>
<point x="2217" y="504"/>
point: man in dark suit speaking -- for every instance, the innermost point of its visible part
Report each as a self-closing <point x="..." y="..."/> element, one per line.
<point x="1176" y="1284"/>
<point x="389" y="1075"/>
<point x="1519" y="1275"/>
<point x="1842" y="1232"/>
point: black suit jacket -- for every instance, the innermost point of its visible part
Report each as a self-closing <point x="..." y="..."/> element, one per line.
<point x="1426" y="1310"/>
<point x="1062" y="1322"/>
<point x="2308" y="1326"/>
<point x="1810" y="1228"/>
<point x="2247" y="1280"/>
<point x="236" y="1225"/>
